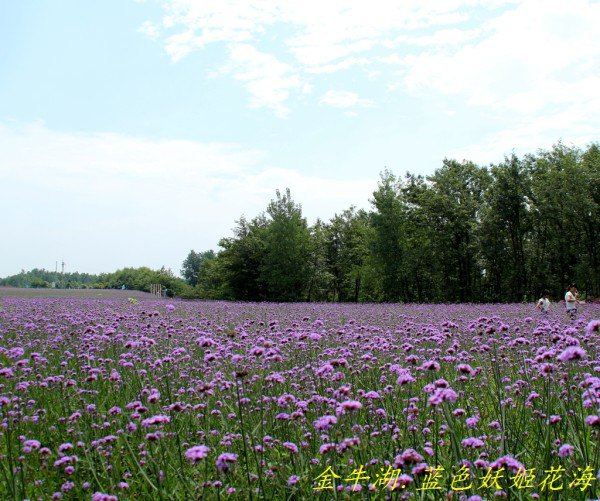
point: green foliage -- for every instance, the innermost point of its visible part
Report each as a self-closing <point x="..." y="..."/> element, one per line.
<point x="38" y="283"/>
<point x="40" y="278"/>
<point x="505" y="225"/>
<point x="240" y="261"/>
<point x="193" y="265"/>
<point x="465" y="233"/>
<point x="347" y="245"/>
<point x="142" y="278"/>
<point x="285" y="267"/>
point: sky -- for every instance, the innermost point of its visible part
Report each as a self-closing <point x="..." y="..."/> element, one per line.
<point x="134" y="131"/>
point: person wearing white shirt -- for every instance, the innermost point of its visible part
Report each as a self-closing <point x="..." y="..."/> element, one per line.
<point x="543" y="303"/>
<point x="571" y="301"/>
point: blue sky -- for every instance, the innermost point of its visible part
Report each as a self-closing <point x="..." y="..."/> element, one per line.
<point x="132" y="131"/>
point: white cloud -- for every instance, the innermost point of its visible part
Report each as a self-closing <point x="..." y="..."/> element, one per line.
<point x="32" y="149"/>
<point x="314" y="37"/>
<point x="515" y="62"/>
<point x="344" y="99"/>
<point x="447" y="37"/>
<point x="531" y="70"/>
<point x="150" y="30"/>
<point x="539" y="132"/>
<point x="104" y="200"/>
<point x="268" y="80"/>
<point x="527" y="49"/>
<point x="321" y="32"/>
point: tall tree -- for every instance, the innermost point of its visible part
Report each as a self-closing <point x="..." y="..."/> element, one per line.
<point x="422" y="267"/>
<point x="451" y="203"/>
<point x="320" y="282"/>
<point x="556" y="181"/>
<point x="241" y="259"/>
<point x="504" y="229"/>
<point x="388" y="245"/>
<point x="285" y="269"/>
<point x="590" y="214"/>
<point x="465" y="233"/>
<point x="348" y="239"/>
<point x="192" y="265"/>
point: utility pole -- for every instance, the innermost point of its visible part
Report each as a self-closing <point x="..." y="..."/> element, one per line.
<point x="63" y="268"/>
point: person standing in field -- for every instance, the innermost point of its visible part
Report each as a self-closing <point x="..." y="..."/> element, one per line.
<point x="571" y="301"/>
<point x="543" y="303"/>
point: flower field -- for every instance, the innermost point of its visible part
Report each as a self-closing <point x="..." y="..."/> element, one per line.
<point x="106" y="398"/>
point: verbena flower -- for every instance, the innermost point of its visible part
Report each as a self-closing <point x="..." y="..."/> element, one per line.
<point x="225" y="460"/>
<point x="196" y="453"/>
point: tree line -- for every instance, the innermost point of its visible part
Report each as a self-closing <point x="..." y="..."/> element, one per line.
<point x="131" y="278"/>
<point x="466" y="233"/>
<point x="41" y="278"/>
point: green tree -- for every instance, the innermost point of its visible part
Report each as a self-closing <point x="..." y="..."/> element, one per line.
<point x="285" y="271"/>
<point x="565" y="218"/>
<point x="241" y="259"/>
<point x="589" y="211"/>
<point x="388" y="244"/>
<point x="193" y="264"/>
<point x="348" y="240"/>
<point x="451" y="203"/>
<point x="320" y="278"/>
<point x="504" y="231"/>
<point x="422" y="268"/>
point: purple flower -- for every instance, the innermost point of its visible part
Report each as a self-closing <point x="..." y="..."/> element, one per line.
<point x="565" y="450"/>
<point x="592" y="420"/>
<point x="225" y="460"/>
<point x="373" y="395"/>
<point x="291" y="446"/>
<point x="399" y="483"/>
<point x="431" y="365"/>
<point x="196" y="453"/>
<point x="155" y="420"/>
<point x="293" y="480"/>
<point x="99" y="496"/>
<point x="67" y="486"/>
<point x="325" y="422"/>
<point x="442" y="395"/>
<point x="404" y="378"/>
<point x="67" y="446"/>
<point x="325" y="448"/>
<point x="592" y="327"/>
<point x="465" y="369"/>
<point x="351" y="405"/>
<point x="65" y="460"/>
<point x="471" y="422"/>
<point x="411" y="456"/>
<point x="508" y="462"/>
<point x="571" y="353"/>
<point x="31" y="445"/>
<point x="474" y="443"/>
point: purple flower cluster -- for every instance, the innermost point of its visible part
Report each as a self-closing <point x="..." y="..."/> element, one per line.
<point x="104" y="398"/>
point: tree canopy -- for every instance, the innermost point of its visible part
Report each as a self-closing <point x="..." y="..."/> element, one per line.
<point x="502" y="232"/>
